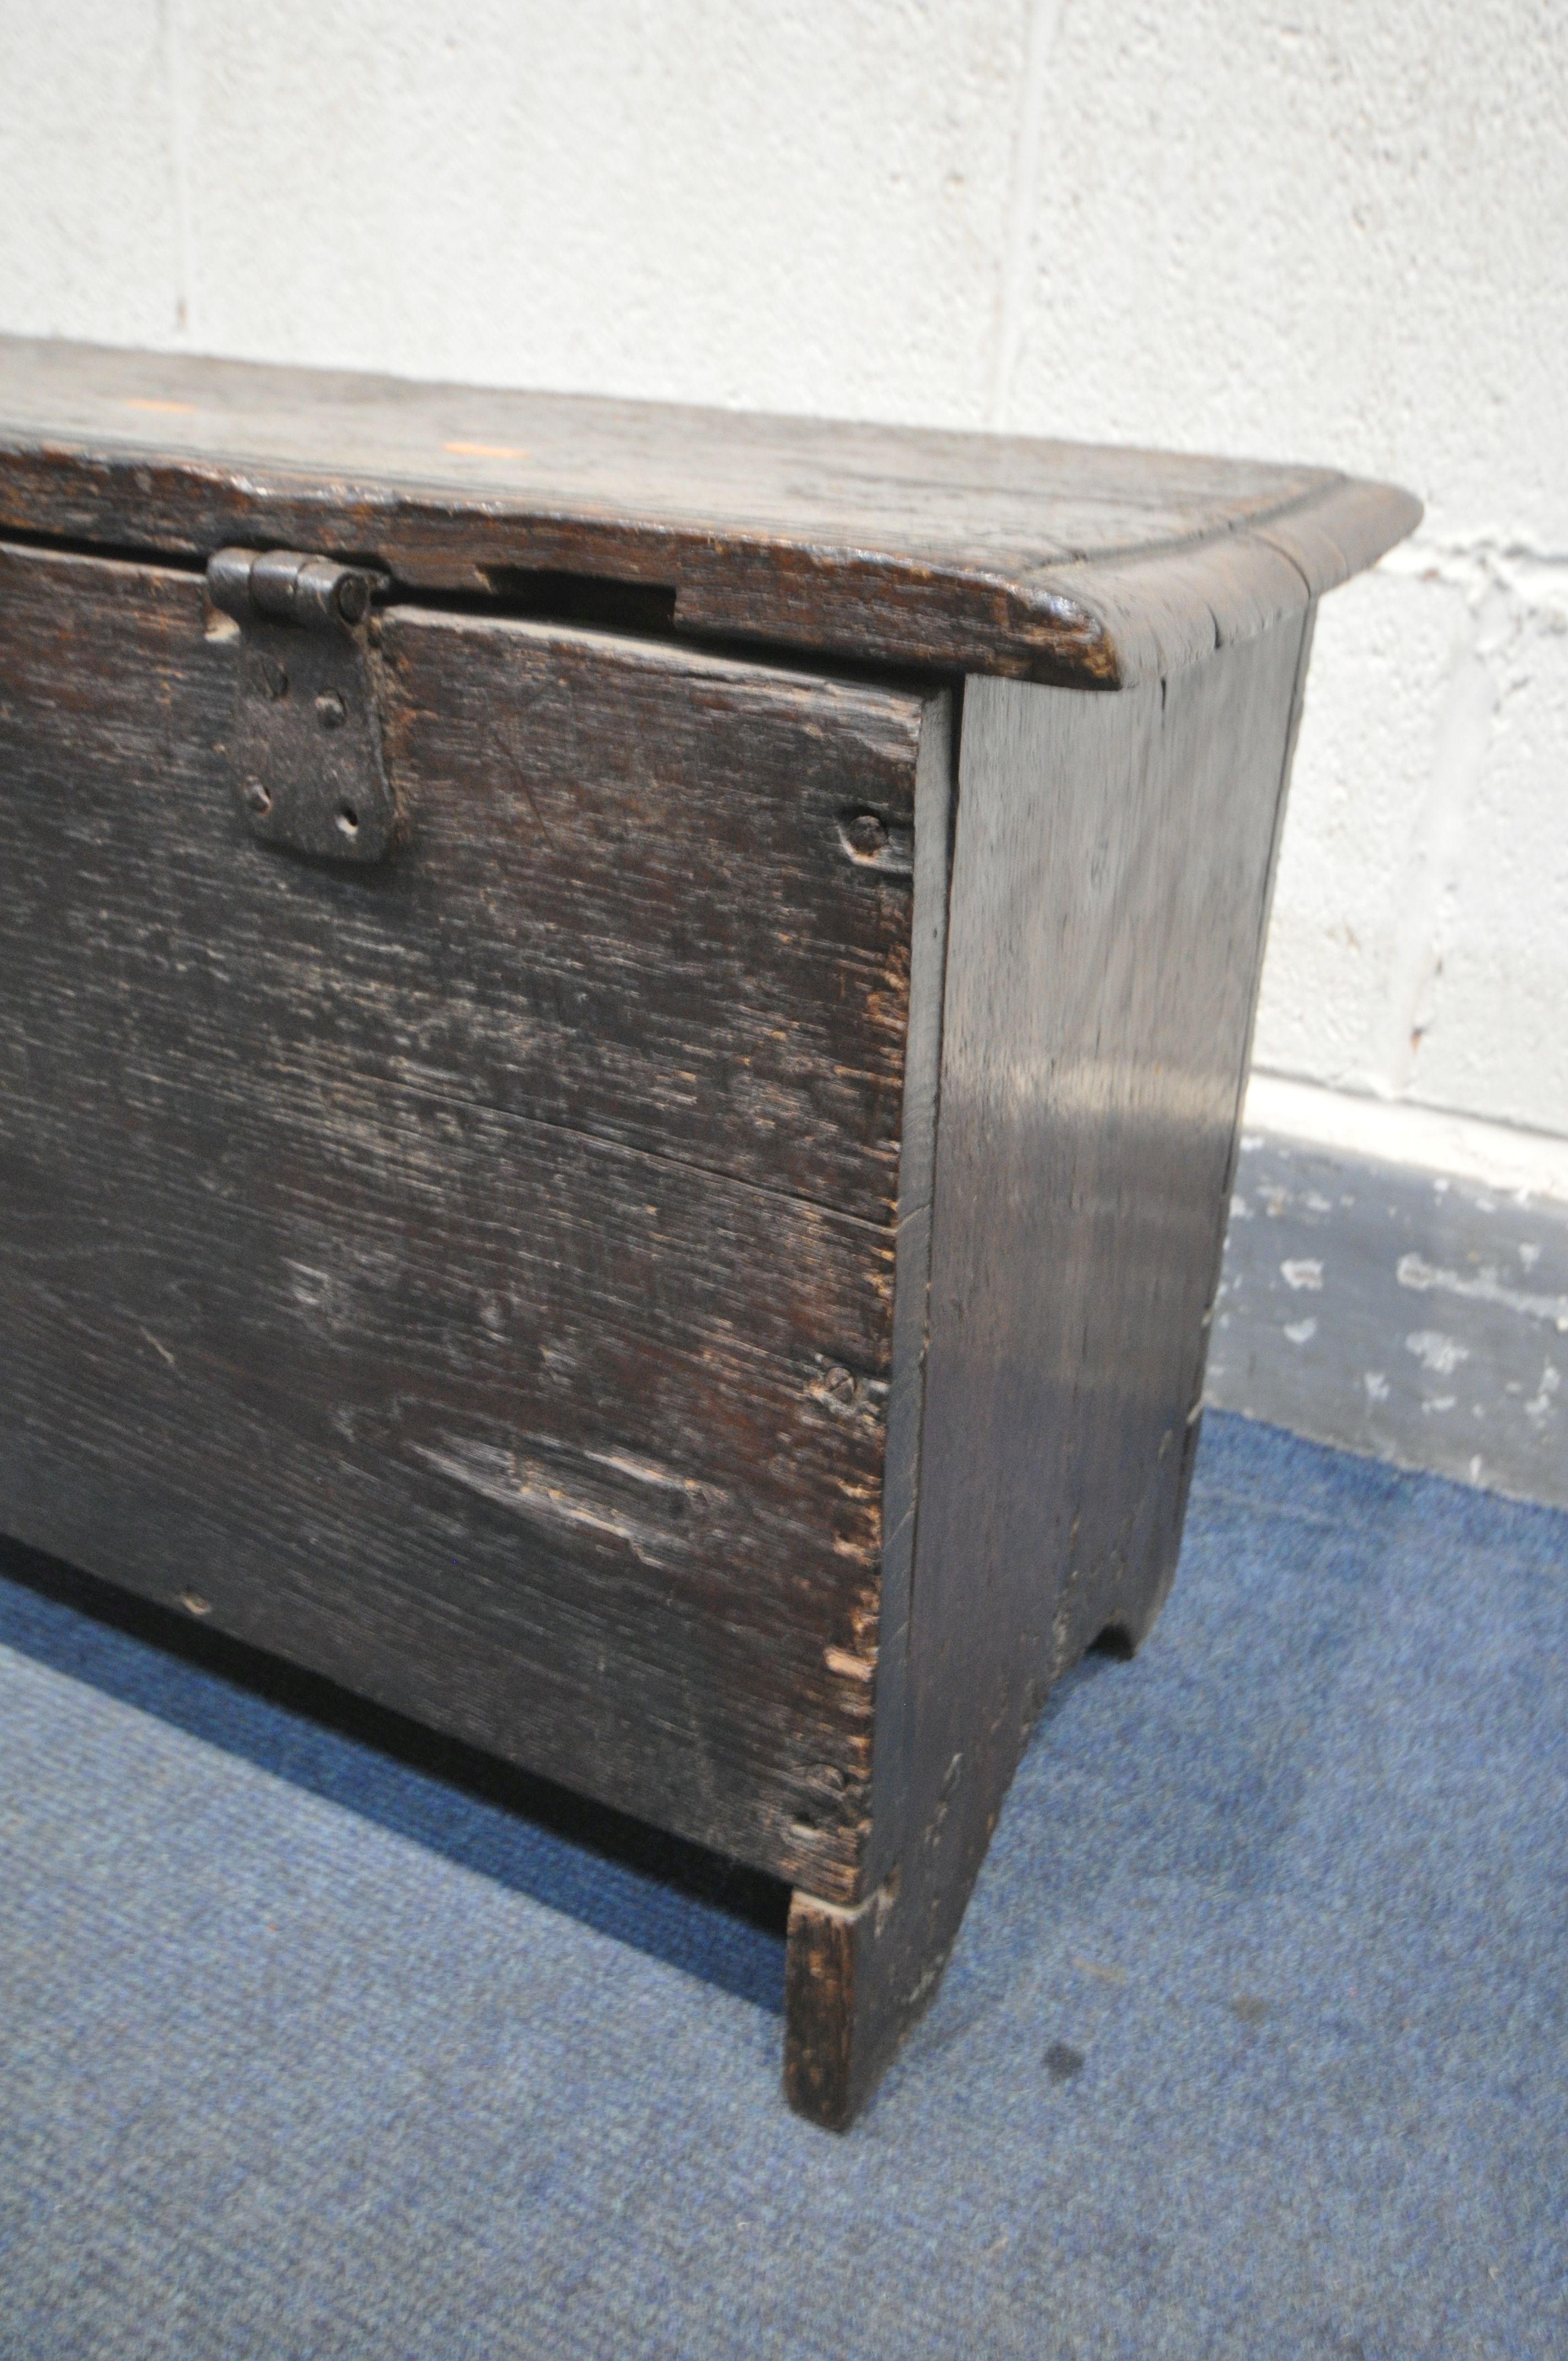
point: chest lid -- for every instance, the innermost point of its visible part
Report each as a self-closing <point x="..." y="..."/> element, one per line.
<point x="1087" y="566"/>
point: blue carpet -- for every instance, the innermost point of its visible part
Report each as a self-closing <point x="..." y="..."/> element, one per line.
<point x="1253" y="2043"/>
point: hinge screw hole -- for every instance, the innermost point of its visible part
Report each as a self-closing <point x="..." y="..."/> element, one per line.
<point x="348" y="820"/>
<point x="330" y="710"/>
<point x="257" y="798"/>
<point x="866" y="835"/>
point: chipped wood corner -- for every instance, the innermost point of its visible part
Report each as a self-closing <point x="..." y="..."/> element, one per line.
<point x="838" y="2038"/>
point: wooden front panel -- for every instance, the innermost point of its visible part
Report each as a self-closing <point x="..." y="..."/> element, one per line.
<point x="470" y="1277"/>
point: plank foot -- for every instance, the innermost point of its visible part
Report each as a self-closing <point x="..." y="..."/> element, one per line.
<point x="847" y="2007"/>
<point x="858" y="1980"/>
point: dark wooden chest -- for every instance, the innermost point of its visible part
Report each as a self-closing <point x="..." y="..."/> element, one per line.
<point x="618" y="1072"/>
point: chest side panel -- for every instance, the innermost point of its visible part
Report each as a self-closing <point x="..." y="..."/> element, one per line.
<point x="470" y="1277"/>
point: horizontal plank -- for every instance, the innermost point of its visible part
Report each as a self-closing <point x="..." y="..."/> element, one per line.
<point x="1062" y="562"/>
<point x="628" y="906"/>
<point x="548" y="1443"/>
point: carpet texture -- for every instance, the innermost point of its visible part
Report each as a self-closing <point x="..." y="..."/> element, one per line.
<point x="1254" y="2042"/>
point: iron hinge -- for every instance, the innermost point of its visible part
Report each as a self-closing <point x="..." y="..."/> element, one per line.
<point x="305" y="747"/>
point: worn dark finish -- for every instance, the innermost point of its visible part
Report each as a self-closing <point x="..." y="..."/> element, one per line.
<point x="1109" y="887"/>
<point x="632" y="911"/>
<point x="689" y="1270"/>
<point x="1049" y="561"/>
<point x="407" y="1363"/>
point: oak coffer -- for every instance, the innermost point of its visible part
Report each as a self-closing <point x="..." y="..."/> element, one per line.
<point x="620" y="1038"/>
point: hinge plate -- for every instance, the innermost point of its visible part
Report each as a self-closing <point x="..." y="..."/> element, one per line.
<point x="305" y="746"/>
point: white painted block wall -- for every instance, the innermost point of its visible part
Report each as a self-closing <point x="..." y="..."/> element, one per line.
<point x="1335" y="230"/>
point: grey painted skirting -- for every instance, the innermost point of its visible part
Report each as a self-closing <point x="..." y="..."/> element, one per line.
<point x="1392" y="1312"/>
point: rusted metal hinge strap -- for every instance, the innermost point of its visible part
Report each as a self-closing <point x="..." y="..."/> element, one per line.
<point x="306" y="742"/>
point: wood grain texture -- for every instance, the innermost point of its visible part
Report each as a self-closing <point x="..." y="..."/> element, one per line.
<point x="628" y="906"/>
<point x="1110" y="892"/>
<point x="1047" y="561"/>
<point x="692" y="1272"/>
<point x="357" y="1280"/>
